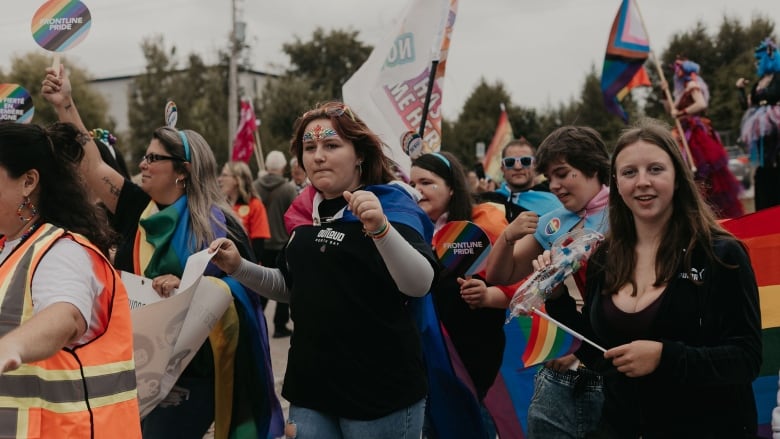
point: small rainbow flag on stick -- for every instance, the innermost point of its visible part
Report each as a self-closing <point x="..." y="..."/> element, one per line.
<point x="545" y="340"/>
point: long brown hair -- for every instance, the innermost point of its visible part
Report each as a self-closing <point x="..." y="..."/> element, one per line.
<point x="692" y="222"/>
<point x="376" y="167"/>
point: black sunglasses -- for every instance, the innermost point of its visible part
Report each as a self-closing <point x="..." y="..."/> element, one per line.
<point x="526" y="161"/>
<point x="151" y="158"/>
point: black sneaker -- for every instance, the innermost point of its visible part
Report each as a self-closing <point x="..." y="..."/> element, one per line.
<point x="282" y="332"/>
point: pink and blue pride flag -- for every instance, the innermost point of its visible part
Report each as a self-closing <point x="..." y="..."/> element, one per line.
<point x="627" y="49"/>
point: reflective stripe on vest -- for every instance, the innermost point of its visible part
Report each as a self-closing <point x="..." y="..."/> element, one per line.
<point x="52" y="394"/>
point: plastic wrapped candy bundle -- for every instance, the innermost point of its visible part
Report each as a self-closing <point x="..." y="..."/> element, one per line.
<point x="568" y="254"/>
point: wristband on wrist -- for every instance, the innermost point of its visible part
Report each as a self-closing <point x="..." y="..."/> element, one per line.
<point x="380" y="232"/>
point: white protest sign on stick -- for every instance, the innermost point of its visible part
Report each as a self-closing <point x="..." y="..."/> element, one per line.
<point x="167" y="332"/>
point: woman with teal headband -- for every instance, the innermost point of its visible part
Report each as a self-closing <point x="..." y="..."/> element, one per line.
<point x="176" y="211"/>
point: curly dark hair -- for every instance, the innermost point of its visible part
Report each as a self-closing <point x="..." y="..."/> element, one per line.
<point x="56" y="152"/>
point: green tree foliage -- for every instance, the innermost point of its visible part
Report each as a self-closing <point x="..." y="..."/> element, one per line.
<point x="592" y="111"/>
<point x="477" y="121"/>
<point x="724" y="56"/>
<point x="318" y="69"/>
<point x="327" y="60"/>
<point x="283" y="100"/>
<point x="200" y="93"/>
<point x="29" y="70"/>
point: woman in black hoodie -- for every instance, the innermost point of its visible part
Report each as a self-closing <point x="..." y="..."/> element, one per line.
<point x="677" y="308"/>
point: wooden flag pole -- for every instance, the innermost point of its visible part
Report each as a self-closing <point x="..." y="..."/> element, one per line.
<point x="258" y="151"/>
<point x="667" y="94"/>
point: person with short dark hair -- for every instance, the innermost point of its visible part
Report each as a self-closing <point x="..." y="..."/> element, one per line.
<point x="576" y="163"/>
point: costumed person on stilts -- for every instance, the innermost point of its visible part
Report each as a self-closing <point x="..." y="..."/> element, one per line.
<point x="716" y="182"/>
<point x="760" y="128"/>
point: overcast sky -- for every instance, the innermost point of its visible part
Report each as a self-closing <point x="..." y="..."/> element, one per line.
<point x="540" y="49"/>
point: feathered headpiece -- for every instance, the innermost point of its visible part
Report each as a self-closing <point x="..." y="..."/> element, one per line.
<point x="686" y="70"/>
<point x="767" y="57"/>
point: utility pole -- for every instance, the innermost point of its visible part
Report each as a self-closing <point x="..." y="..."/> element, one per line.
<point x="232" y="81"/>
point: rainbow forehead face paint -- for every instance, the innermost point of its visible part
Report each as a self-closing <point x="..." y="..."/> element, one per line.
<point x="319" y="133"/>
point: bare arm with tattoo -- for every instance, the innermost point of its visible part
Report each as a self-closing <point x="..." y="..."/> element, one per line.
<point x="103" y="181"/>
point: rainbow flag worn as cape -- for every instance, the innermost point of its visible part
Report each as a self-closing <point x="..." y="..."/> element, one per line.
<point x="627" y="49"/>
<point x="760" y="231"/>
<point x="246" y="403"/>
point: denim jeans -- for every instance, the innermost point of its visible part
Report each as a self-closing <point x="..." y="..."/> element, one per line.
<point x="305" y="423"/>
<point x="565" y="404"/>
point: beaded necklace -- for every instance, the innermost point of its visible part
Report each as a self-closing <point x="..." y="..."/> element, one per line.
<point x="24" y="236"/>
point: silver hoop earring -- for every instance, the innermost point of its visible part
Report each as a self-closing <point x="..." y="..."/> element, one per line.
<point x="182" y="181"/>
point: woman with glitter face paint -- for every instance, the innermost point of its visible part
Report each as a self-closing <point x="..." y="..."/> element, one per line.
<point x="761" y="124"/>
<point x="717" y="183"/>
<point x="359" y="249"/>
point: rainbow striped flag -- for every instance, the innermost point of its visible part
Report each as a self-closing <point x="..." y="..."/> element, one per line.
<point x="545" y="340"/>
<point x="760" y="231"/>
<point x="627" y="49"/>
<point x="534" y="340"/>
<point x="503" y="135"/>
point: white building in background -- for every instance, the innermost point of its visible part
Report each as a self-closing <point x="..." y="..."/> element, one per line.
<point x="116" y="91"/>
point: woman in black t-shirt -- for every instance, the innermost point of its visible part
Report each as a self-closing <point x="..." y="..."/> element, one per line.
<point x="359" y="249"/>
